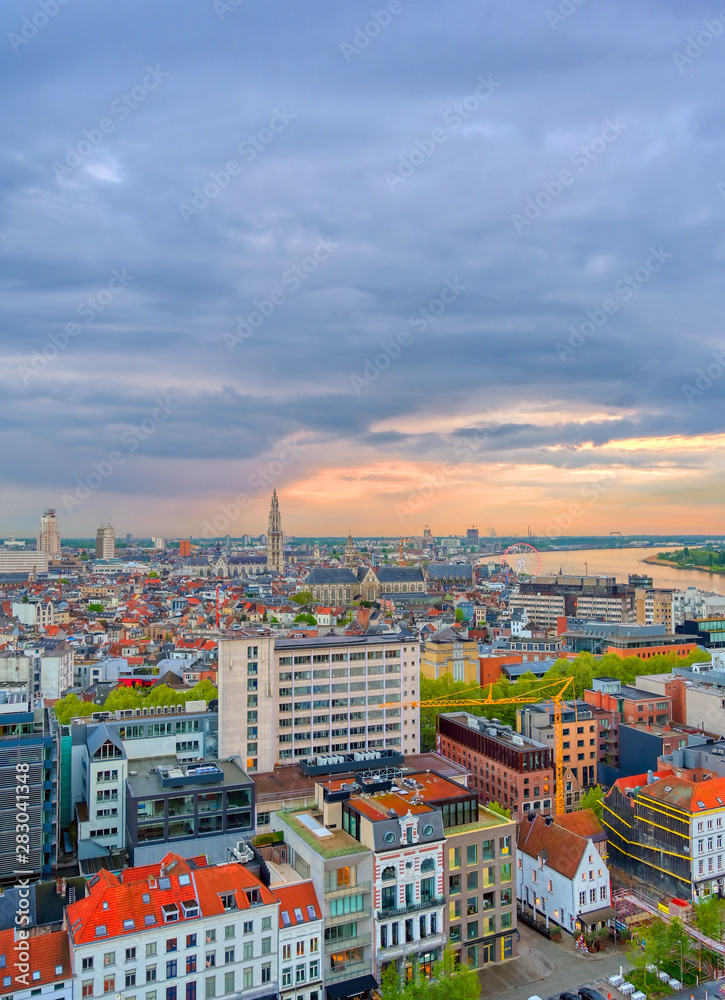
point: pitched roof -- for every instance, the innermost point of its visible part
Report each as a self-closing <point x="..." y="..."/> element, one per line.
<point x="582" y="822"/>
<point x="125" y="905"/>
<point x="564" y="848"/>
<point x="49" y="961"/>
<point x="691" y="796"/>
<point x="399" y="574"/>
<point x="299" y="903"/>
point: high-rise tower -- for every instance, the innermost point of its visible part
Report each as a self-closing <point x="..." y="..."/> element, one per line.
<point x="49" y="536"/>
<point x="105" y="542"/>
<point x="275" y="538"/>
<point x="350" y="554"/>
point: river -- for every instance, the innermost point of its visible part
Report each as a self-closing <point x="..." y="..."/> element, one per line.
<point x="621" y="562"/>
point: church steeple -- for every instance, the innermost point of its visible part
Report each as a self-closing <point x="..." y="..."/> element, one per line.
<point x="275" y="538"/>
<point x="350" y="555"/>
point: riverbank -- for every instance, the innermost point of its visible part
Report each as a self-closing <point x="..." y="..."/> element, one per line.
<point x="654" y="560"/>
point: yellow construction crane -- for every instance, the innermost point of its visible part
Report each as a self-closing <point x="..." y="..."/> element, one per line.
<point x="462" y="699"/>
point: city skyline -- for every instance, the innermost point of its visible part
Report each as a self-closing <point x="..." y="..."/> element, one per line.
<point x="434" y="264"/>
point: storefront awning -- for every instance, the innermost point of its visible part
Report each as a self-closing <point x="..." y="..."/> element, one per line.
<point x="597" y="916"/>
<point x="351" y="987"/>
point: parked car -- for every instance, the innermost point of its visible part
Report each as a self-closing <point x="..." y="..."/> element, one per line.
<point x="589" y="993"/>
<point x="568" y="995"/>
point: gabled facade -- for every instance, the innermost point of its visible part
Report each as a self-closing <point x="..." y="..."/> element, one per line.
<point x="561" y="876"/>
<point x="301" y="937"/>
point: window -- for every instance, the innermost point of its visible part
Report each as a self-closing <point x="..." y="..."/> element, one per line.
<point x="472" y="881"/>
<point x="582" y="899"/>
<point x="87" y="964"/>
<point x="171" y="970"/>
<point x="190" y="964"/>
<point x="267" y="946"/>
<point x="314" y="970"/>
<point x="130" y="978"/>
<point x="286" y="952"/>
<point x="171" y="944"/>
<point x="471" y="930"/>
<point x="454" y="857"/>
<point x="300" y="949"/>
<point x="87" y="990"/>
<point x="211" y="959"/>
<point x="171" y="993"/>
<point x="191" y="990"/>
<point x="210" y="936"/>
<point x="248" y="950"/>
<point x="267" y="973"/>
<point x="266" y="923"/>
<point x="248" y="926"/>
<point x="191" y="940"/>
<point x="248" y="979"/>
<point x="150" y="973"/>
<point x="150" y="949"/>
<point x="109" y="958"/>
<point x="314" y="945"/>
<point x="229" y="932"/>
<point x="603" y="892"/>
<point x="472" y="854"/>
<point x="300" y="974"/>
<point x="592" y="895"/>
<point x="287" y="977"/>
<point x="229" y="955"/>
<point x="229" y="982"/>
<point x="109" y="984"/>
<point x="210" y="987"/>
<point x="130" y="954"/>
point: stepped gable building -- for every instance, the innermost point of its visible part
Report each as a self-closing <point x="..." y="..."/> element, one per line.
<point x="275" y="538"/>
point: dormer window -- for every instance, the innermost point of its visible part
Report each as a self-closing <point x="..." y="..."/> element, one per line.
<point x="190" y="908"/>
<point x="170" y="912"/>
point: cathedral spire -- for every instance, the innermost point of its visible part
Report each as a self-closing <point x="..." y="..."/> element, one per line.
<point x="275" y="538"/>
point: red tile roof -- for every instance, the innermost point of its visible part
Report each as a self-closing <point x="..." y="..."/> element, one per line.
<point x="564" y="849"/>
<point x="49" y="961"/>
<point x="297" y="896"/>
<point x="142" y="893"/>
<point x="582" y="822"/>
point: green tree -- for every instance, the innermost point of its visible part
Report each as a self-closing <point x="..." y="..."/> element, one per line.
<point x="122" y="697"/>
<point x="153" y="575"/>
<point x="658" y="946"/>
<point x="498" y="808"/>
<point x="303" y="597"/>
<point x="678" y="935"/>
<point x="70" y="707"/>
<point x="451" y="981"/>
<point x="593" y="800"/>
<point x="95" y="607"/>
<point x="306" y="618"/>
<point x="204" y="689"/>
<point x="390" y="987"/>
<point x="710" y="916"/>
<point x="459" y="614"/>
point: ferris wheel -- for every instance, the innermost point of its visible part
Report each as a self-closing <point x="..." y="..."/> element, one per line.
<point x="523" y="559"/>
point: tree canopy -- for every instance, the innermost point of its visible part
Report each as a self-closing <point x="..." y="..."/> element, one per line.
<point x="592" y="799"/>
<point x="133" y="697"/>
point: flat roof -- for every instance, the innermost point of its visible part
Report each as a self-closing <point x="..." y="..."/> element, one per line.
<point x="146" y="781"/>
<point x="317" y="642"/>
<point x="338" y="844"/>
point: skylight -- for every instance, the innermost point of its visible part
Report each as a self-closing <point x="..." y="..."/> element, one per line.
<point x="149" y="919"/>
<point x="128" y="925"/>
<point x="164" y="883"/>
<point x="184" y="879"/>
<point x="59" y="970"/>
<point x="311" y="912"/>
<point x="285" y="918"/>
<point x="146" y="898"/>
<point x="101" y="930"/>
<point x="298" y="915"/>
<point x="701" y="805"/>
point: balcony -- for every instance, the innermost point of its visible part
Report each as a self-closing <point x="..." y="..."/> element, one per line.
<point x="347" y="890"/>
<point x="393" y="951"/>
<point x="359" y="941"/>
<point x="400" y="911"/>
<point x="345" y="918"/>
<point x="350" y="971"/>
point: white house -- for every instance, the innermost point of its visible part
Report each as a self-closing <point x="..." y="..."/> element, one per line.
<point x="35" y="964"/>
<point x="561" y="876"/>
<point x="182" y="930"/>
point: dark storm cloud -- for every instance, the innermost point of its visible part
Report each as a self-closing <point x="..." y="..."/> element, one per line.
<point x="188" y="89"/>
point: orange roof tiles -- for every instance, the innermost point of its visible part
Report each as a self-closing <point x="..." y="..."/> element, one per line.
<point x="49" y="960"/>
<point x="564" y="849"/>
<point x="297" y="897"/>
<point x="136" y="900"/>
<point x="582" y="822"/>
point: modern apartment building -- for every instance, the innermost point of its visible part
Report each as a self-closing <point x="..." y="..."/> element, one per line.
<point x="543" y="610"/>
<point x="282" y="700"/>
<point x="35" y="613"/>
<point x="513" y="770"/>
<point x="631" y="704"/>
<point x="28" y="782"/>
<point x="22" y="561"/>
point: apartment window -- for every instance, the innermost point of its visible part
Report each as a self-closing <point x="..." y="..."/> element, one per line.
<point x="266" y="923"/>
<point x="109" y="984"/>
<point x="191" y="940"/>
<point x="150" y="973"/>
<point x="248" y="976"/>
<point x="248" y="950"/>
<point x="229" y="982"/>
<point x="300" y="974"/>
<point x="592" y="895"/>
<point x="87" y="964"/>
<point x="286" y="952"/>
<point x="109" y="958"/>
<point x="229" y="930"/>
<point x="472" y="854"/>
<point x="171" y="944"/>
<point x="171" y="970"/>
<point x="211" y="959"/>
<point x="191" y="991"/>
<point x="130" y="978"/>
<point x="210" y="987"/>
<point x="87" y="988"/>
<point x="150" y="949"/>
<point x="171" y="993"/>
<point x="190" y="964"/>
<point x="229" y="955"/>
<point x="454" y="857"/>
<point x="582" y="899"/>
<point x="603" y="892"/>
<point x="287" y="977"/>
<point x="267" y="973"/>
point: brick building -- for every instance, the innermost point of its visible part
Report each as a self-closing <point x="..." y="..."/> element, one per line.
<point x="505" y="767"/>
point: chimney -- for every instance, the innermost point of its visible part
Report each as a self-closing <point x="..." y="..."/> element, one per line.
<point x="650" y="778"/>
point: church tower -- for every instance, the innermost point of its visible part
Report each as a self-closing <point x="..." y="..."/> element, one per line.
<point x="275" y="538"/>
<point x="350" y="553"/>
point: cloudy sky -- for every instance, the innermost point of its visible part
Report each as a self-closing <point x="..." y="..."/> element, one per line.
<point x="428" y="262"/>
